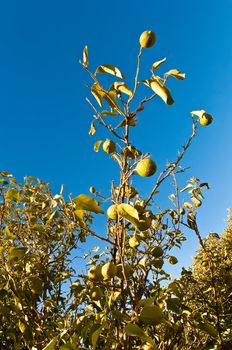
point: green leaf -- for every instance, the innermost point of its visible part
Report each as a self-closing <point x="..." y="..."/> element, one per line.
<point x="208" y="328"/>
<point x="158" y="63"/>
<point x="92" y="129"/>
<point x="131" y="122"/>
<point x="95" y="333"/>
<point x="67" y="346"/>
<point x="87" y="203"/>
<point x="121" y="87"/>
<point x="160" y="89"/>
<point x="85" y="57"/>
<point x="9" y="235"/>
<point x="127" y="212"/>
<point x="22" y="326"/>
<point x="109" y="69"/>
<point x="12" y="194"/>
<point x="111" y="114"/>
<point x="176" y="74"/>
<point x="16" y="253"/>
<point x="133" y="330"/>
<point x="51" y="345"/>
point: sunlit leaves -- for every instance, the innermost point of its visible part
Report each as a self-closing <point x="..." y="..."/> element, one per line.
<point x="51" y="345"/>
<point x="87" y="203"/>
<point x="157" y="64"/>
<point x="16" y="253"/>
<point x="160" y="89"/>
<point x="93" y="129"/>
<point x="121" y="87"/>
<point x="97" y="145"/>
<point x="108" y="68"/>
<point x="85" y="57"/>
<point x="176" y="74"/>
<point x="127" y="212"/>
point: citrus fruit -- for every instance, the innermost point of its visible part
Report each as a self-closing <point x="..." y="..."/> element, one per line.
<point x="109" y="146"/>
<point x="151" y="314"/>
<point x="147" y="39"/>
<point x="112" y="212"/>
<point x="146" y="167"/>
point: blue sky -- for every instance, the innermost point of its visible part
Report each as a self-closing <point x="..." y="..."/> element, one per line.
<point x="44" y="116"/>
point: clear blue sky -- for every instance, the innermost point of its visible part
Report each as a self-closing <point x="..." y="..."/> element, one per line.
<point x="44" y="116"/>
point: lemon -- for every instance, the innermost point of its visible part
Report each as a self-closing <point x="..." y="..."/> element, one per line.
<point x="95" y="273"/>
<point x="205" y="119"/>
<point x="172" y="260"/>
<point x="157" y="262"/>
<point x="146" y="167"/>
<point x="151" y="314"/>
<point x="96" y="293"/>
<point x="157" y="251"/>
<point x="147" y="39"/>
<point x="108" y="270"/>
<point x="112" y="212"/>
<point x="109" y="146"/>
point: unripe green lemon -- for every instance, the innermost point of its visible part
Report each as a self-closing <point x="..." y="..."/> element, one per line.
<point x="151" y="314"/>
<point x="205" y="119"/>
<point x="96" y="293"/>
<point x="134" y="242"/>
<point x="147" y="39"/>
<point x="172" y="260"/>
<point x="112" y="212"/>
<point x="108" y="270"/>
<point x="95" y="273"/>
<point x="146" y="167"/>
<point x="157" y="251"/>
<point x="109" y="146"/>
<point x="157" y="262"/>
<point x="128" y="271"/>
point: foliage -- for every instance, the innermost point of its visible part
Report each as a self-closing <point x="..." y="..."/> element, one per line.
<point x="124" y="298"/>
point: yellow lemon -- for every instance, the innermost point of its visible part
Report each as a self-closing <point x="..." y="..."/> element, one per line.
<point x="146" y="167"/>
<point x="96" y="293"/>
<point x="205" y="119"/>
<point x="112" y="212"/>
<point x="147" y="39"/>
<point x="95" y="273"/>
<point x="108" y="270"/>
<point x="109" y="146"/>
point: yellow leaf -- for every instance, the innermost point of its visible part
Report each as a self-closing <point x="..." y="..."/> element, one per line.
<point x="131" y="122"/>
<point x="79" y="214"/>
<point x="127" y="212"/>
<point x="98" y="92"/>
<point x="199" y="113"/>
<point x="158" y="63"/>
<point x="176" y="74"/>
<point x="97" y="145"/>
<point x="92" y="129"/>
<point x="87" y="203"/>
<point x="112" y="114"/>
<point x="85" y="57"/>
<point x="110" y="98"/>
<point x="51" y="345"/>
<point x="108" y="68"/>
<point x="122" y="87"/>
<point x="160" y="89"/>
